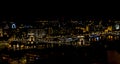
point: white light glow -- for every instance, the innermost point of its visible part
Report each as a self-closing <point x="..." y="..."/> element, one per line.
<point x="117" y="26"/>
<point x="13" y="26"/>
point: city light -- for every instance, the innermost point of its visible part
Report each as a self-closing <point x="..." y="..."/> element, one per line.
<point x="117" y="26"/>
<point x="41" y="40"/>
<point x="13" y="26"/>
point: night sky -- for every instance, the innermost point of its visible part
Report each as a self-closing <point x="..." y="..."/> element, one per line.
<point x="31" y="18"/>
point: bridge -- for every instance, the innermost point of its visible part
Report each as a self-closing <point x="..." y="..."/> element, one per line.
<point x="43" y="44"/>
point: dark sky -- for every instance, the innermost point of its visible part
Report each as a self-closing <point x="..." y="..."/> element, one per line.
<point x="62" y="17"/>
<point x="79" y="10"/>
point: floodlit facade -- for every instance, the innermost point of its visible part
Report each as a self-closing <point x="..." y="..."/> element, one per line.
<point x="1" y="32"/>
<point x="81" y="40"/>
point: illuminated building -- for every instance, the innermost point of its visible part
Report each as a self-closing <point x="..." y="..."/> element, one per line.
<point x="94" y="38"/>
<point x="13" y="26"/>
<point x="81" y="40"/>
<point x="87" y="28"/>
<point x="31" y="37"/>
<point x="1" y="32"/>
<point x="35" y="35"/>
<point x="110" y="37"/>
<point x="109" y="28"/>
<point x="80" y="30"/>
<point x="117" y="25"/>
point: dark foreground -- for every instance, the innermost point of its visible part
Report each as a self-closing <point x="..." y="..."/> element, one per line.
<point x="94" y="54"/>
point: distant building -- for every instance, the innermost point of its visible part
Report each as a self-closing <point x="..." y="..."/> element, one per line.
<point x="6" y="26"/>
<point x="1" y="32"/>
<point x="117" y="25"/>
<point x="13" y="26"/>
<point x="87" y="28"/>
<point x="34" y="34"/>
<point x="81" y="40"/>
<point x="50" y="31"/>
<point x="31" y="37"/>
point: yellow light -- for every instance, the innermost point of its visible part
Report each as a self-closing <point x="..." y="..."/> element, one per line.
<point x="9" y="45"/>
<point x="22" y="46"/>
<point x="111" y="37"/>
<point x="108" y="37"/>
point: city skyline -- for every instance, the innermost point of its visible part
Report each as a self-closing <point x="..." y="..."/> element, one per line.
<point x="60" y="18"/>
